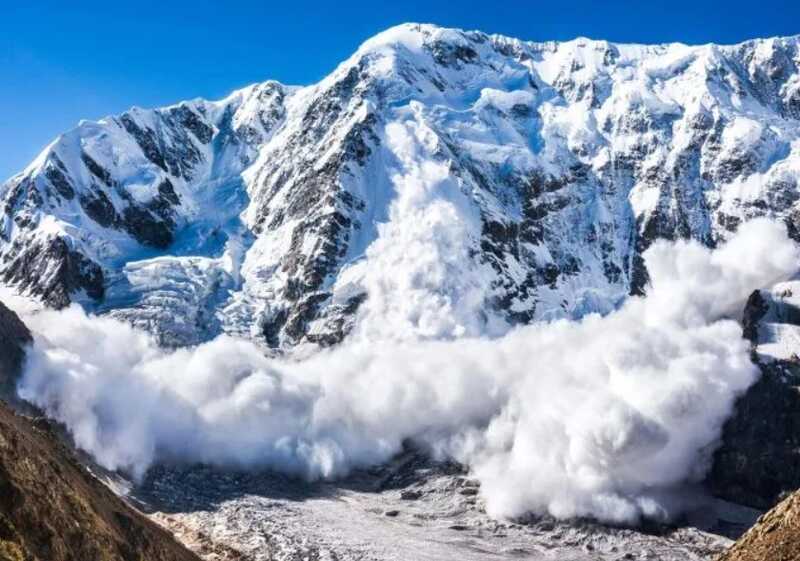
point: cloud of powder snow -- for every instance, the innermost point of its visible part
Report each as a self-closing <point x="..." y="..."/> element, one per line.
<point x="422" y="280"/>
<point x="599" y="417"/>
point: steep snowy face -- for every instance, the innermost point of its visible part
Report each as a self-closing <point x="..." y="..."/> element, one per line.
<point x="438" y="184"/>
<point x="133" y="214"/>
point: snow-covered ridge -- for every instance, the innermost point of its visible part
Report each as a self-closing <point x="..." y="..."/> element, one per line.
<point x="439" y="183"/>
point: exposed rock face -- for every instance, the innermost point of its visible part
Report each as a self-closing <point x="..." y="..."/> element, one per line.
<point x="759" y="459"/>
<point x="14" y="336"/>
<point x="50" y="269"/>
<point x="51" y="509"/>
<point x="558" y="162"/>
<point x="775" y="537"/>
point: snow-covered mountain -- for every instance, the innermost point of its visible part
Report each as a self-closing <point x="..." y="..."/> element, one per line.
<point x="439" y="183"/>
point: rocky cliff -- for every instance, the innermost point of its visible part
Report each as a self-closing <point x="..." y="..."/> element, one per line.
<point x="759" y="459"/>
<point x="14" y="336"/>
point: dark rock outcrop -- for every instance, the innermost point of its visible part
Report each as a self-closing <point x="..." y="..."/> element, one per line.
<point x="759" y="458"/>
<point x="52" y="270"/>
<point x="14" y="336"/>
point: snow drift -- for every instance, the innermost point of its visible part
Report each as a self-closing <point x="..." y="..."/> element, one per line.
<point x="600" y="417"/>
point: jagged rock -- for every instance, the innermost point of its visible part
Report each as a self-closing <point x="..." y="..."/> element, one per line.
<point x="410" y="495"/>
<point x="52" y="270"/>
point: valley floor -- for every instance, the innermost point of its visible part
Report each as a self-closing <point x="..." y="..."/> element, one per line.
<point x="414" y="509"/>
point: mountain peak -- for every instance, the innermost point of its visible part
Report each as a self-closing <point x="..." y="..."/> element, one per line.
<point x="411" y="36"/>
<point x="558" y="163"/>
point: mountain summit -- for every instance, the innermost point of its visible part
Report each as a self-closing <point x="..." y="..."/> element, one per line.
<point x="439" y="183"/>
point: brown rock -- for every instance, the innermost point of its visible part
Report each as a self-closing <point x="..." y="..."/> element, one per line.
<point x="775" y="537"/>
<point x="52" y="509"/>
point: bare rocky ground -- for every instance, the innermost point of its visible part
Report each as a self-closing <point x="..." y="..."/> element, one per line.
<point x="52" y="510"/>
<point x="776" y="536"/>
<point x="414" y="509"/>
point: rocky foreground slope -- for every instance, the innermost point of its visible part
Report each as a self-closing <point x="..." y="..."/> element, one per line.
<point x="51" y="508"/>
<point x="533" y="173"/>
<point x="775" y="537"/>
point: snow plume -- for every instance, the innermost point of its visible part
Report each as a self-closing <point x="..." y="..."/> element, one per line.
<point x="600" y="417"/>
<point x="421" y="278"/>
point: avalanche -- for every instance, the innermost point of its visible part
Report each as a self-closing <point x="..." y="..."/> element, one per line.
<point x="604" y="417"/>
<point x="470" y="221"/>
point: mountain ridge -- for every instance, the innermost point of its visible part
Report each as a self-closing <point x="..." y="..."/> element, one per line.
<point x="264" y="204"/>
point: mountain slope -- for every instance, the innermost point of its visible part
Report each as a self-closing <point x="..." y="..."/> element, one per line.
<point x="438" y="183"/>
<point x="775" y="537"/>
<point x="14" y="335"/>
<point x="51" y="508"/>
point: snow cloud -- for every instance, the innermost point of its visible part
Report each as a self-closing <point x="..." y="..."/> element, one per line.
<point x="422" y="281"/>
<point x="599" y="417"/>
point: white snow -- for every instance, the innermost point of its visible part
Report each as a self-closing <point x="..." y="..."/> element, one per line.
<point x="500" y="112"/>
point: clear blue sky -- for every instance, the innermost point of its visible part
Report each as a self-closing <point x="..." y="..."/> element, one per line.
<point x="63" y="61"/>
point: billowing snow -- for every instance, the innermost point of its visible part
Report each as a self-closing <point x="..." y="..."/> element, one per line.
<point x="602" y="417"/>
